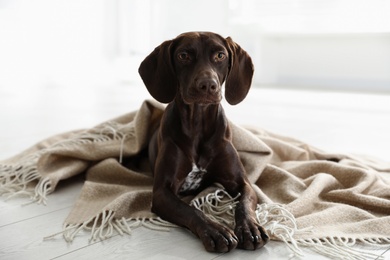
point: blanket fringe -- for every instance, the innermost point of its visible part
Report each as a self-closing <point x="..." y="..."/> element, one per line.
<point x="342" y="248"/>
<point x="104" y="225"/>
<point x="218" y="206"/>
<point x="16" y="180"/>
<point x="19" y="179"/>
<point x="282" y="226"/>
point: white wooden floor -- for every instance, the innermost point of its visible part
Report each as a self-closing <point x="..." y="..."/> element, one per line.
<point x="339" y="122"/>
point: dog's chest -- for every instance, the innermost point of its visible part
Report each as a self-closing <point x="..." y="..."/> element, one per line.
<point x="193" y="179"/>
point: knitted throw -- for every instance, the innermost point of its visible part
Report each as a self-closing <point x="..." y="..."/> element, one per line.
<point x="324" y="201"/>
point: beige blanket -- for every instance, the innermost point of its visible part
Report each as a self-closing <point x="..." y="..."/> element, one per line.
<point x="308" y="197"/>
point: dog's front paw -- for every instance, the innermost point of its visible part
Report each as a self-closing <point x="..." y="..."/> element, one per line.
<point x="251" y="236"/>
<point x="217" y="238"/>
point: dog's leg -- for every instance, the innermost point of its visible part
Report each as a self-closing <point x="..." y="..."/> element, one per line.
<point x="166" y="203"/>
<point x="250" y="234"/>
<point x="232" y="176"/>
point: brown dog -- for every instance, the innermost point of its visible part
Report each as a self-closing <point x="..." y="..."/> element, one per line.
<point x="193" y="148"/>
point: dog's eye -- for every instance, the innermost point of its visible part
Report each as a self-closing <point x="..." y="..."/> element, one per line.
<point x="183" y="56"/>
<point x="220" y="56"/>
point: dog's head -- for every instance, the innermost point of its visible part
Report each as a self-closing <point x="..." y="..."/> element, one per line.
<point x="194" y="65"/>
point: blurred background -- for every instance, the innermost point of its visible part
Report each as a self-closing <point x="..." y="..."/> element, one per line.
<point x="322" y="67"/>
<point x="326" y="44"/>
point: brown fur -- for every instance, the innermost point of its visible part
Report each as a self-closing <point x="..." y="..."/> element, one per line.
<point x="188" y="72"/>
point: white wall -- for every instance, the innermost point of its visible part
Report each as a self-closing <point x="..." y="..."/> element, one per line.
<point x="319" y="44"/>
<point x="172" y="17"/>
<point x="51" y="42"/>
<point x="355" y="61"/>
<point x="80" y="43"/>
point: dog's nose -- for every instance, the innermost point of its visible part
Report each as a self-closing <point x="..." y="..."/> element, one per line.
<point x="207" y="85"/>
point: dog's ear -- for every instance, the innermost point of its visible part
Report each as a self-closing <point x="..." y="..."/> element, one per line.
<point x="158" y="75"/>
<point x="239" y="79"/>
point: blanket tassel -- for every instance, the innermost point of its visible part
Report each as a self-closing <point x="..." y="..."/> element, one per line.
<point x="102" y="226"/>
<point x="277" y="220"/>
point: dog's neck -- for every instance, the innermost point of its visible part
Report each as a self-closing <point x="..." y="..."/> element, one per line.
<point x="198" y="119"/>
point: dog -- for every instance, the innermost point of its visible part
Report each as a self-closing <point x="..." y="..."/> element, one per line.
<point x="192" y="147"/>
